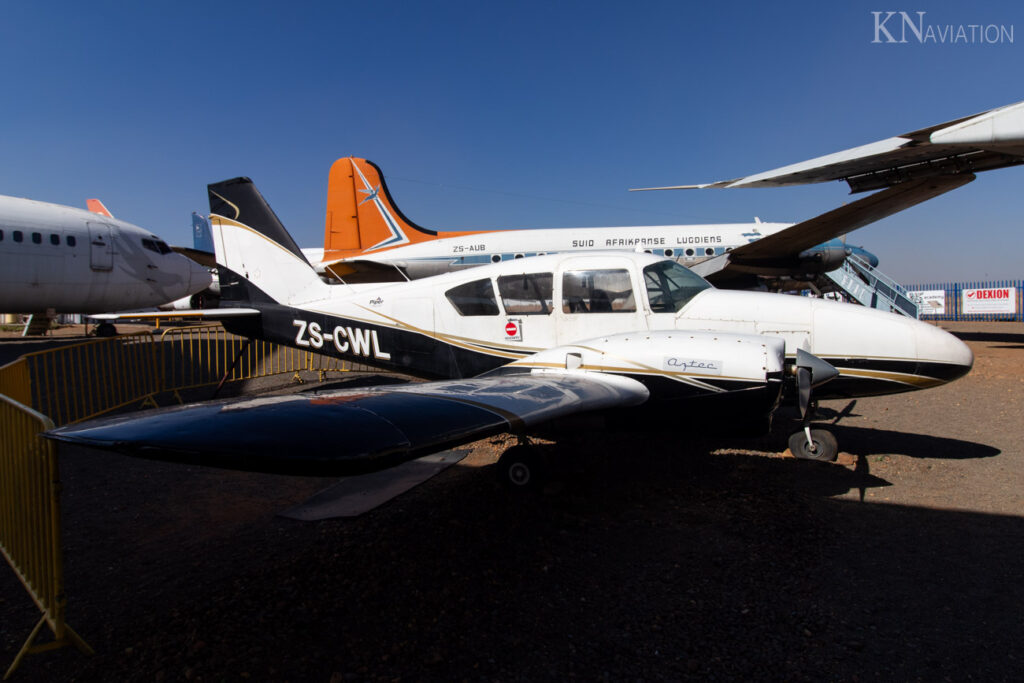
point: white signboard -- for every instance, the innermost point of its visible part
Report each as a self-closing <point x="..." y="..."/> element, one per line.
<point x="929" y="301"/>
<point x="991" y="300"/>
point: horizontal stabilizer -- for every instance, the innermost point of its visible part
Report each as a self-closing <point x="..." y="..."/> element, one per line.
<point x="210" y="313"/>
<point x="986" y="141"/>
<point x="351" y="431"/>
<point x="361" y="271"/>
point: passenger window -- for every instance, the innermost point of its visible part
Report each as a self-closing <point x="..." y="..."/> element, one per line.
<point x="528" y="294"/>
<point x="70" y="240"/>
<point x="55" y="240"/>
<point x="18" y="237"/>
<point x="474" y="298"/>
<point x="37" y="238"/>
<point x="1" y="235"/>
<point x="597" y="291"/>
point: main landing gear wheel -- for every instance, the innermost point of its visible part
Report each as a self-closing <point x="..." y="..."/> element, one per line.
<point x="521" y="468"/>
<point x="105" y="329"/>
<point x="823" y="446"/>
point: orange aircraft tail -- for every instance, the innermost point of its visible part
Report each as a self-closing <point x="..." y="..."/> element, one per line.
<point x="361" y="215"/>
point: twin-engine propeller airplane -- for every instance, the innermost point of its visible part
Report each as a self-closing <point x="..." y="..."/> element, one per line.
<point x="514" y="345"/>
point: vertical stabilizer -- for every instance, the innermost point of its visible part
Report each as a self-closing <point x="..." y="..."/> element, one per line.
<point x="251" y="243"/>
<point x="361" y="216"/>
<point x="202" y="237"/>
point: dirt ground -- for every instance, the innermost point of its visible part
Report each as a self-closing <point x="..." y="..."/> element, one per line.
<point x="663" y="557"/>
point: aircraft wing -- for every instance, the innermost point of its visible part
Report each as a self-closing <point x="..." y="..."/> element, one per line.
<point x="985" y="141"/>
<point x="203" y="258"/>
<point x="352" y="431"/>
<point x="776" y="249"/>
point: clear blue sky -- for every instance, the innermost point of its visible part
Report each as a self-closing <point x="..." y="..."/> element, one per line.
<point x="501" y="114"/>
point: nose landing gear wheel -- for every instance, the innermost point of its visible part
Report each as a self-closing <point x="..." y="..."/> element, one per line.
<point x="520" y="468"/>
<point x="823" y="446"/>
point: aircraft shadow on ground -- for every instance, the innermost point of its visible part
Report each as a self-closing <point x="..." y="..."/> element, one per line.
<point x="583" y="467"/>
<point x="873" y="441"/>
<point x="651" y="546"/>
<point x="1006" y="337"/>
<point x="870" y="441"/>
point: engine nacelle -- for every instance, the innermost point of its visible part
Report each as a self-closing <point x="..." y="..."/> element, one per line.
<point x="823" y="258"/>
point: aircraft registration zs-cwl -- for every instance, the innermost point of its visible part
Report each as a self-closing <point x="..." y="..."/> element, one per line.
<point x="512" y="346"/>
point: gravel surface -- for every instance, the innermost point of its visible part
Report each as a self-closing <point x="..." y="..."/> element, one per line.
<point x="665" y="556"/>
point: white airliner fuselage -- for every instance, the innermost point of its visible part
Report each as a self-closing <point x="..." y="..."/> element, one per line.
<point x="69" y="260"/>
<point x="687" y="244"/>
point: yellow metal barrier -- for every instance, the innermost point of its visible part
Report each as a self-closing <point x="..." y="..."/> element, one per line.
<point x="78" y="381"/>
<point x="201" y="355"/>
<point x="15" y="381"/>
<point x="30" y="522"/>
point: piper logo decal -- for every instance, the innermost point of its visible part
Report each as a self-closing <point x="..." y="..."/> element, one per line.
<point x="348" y="339"/>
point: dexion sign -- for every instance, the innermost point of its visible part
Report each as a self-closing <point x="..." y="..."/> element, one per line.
<point x="990" y="300"/>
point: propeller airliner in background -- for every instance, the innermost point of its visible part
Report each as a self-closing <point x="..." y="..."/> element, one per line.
<point x="366" y="235"/>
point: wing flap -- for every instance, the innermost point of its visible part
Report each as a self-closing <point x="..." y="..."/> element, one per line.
<point x="349" y="431"/>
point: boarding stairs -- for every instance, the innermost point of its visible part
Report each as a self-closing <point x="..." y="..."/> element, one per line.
<point x="870" y="287"/>
<point x="37" y="324"/>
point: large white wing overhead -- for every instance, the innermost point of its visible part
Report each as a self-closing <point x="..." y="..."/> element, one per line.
<point x="982" y="142"/>
<point x="774" y="250"/>
<point x="351" y="431"/>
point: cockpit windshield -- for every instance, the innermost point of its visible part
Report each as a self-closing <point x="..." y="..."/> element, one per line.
<point x="670" y="286"/>
<point x="159" y="246"/>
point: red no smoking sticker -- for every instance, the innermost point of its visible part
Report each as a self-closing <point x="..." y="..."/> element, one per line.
<point x="514" y="330"/>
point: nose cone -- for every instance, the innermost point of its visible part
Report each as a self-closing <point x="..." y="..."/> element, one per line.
<point x="941" y="356"/>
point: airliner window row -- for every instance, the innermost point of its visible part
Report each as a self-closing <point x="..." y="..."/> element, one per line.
<point x="37" y="238"/>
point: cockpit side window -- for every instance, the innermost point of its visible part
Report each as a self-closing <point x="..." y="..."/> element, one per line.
<point x="155" y="245"/>
<point x="528" y="294"/>
<point x="597" y="291"/>
<point x="670" y="286"/>
<point x="474" y="298"/>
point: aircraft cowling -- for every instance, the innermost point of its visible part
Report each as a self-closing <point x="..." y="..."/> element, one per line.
<point x="692" y="376"/>
<point x="823" y="258"/>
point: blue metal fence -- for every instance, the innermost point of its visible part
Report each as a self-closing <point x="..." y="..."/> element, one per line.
<point x="955" y="300"/>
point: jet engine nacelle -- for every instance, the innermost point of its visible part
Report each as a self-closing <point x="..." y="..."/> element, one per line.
<point x="823" y="258"/>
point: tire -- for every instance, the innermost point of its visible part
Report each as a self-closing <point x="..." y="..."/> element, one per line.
<point x="825" y="447"/>
<point x="520" y="468"/>
<point x="106" y="330"/>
